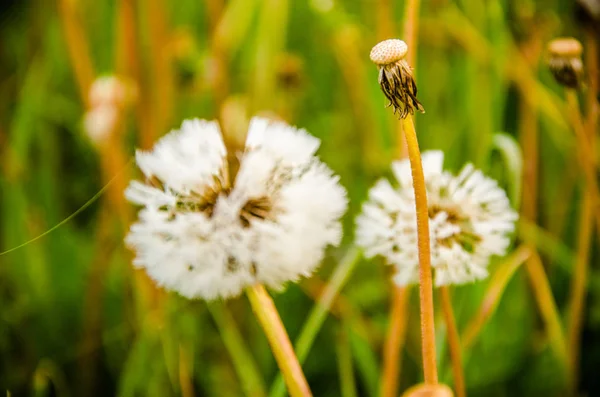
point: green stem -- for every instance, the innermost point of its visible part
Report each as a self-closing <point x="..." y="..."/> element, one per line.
<point x="244" y="363"/>
<point x="345" y="368"/>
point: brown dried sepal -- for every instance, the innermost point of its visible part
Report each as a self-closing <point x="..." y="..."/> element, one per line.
<point x="399" y="87"/>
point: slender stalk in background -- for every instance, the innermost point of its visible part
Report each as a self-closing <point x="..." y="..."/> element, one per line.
<point x="498" y="282"/>
<point x="394" y="341"/>
<point x="186" y="383"/>
<point x="580" y="273"/>
<point x="585" y="154"/>
<point x="345" y="368"/>
<point x="579" y="286"/>
<point x="245" y="365"/>
<point x="78" y="47"/>
<point x="453" y="342"/>
<point x="270" y="42"/>
<point x="266" y="314"/>
<point x="585" y="134"/>
<point x="411" y="29"/>
<point x="547" y="306"/>
<point x="593" y="69"/>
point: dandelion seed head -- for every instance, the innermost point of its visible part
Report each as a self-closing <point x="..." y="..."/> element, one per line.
<point x="388" y="52"/>
<point x="395" y="77"/>
<point x="204" y="238"/>
<point x="470" y="221"/>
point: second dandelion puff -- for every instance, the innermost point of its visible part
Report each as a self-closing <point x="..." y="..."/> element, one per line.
<point x="469" y="215"/>
<point x="203" y="237"/>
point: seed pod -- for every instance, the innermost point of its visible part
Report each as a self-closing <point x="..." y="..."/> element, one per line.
<point x="395" y="76"/>
<point x="565" y="62"/>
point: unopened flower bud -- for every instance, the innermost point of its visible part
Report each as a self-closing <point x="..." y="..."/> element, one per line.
<point x="565" y="62"/>
<point x="111" y="91"/>
<point x="428" y="391"/>
<point x="395" y="76"/>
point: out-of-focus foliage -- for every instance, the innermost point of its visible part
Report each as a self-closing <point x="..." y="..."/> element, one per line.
<point x="77" y="320"/>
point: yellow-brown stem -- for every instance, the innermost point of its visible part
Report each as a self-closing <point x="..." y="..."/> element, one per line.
<point x="394" y="341"/>
<point x="77" y="47"/>
<point x="546" y="305"/>
<point x="453" y="343"/>
<point x="579" y="286"/>
<point x="385" y="19"/>
<point x="593" y="69"/>
<point x="186" y="383"/>
<point x="493" y="294"/>
<point x="411" y="30"/>
<point x="266" y="313"/>
<point x="426" y="283"/>
<point x="584" y="153"/>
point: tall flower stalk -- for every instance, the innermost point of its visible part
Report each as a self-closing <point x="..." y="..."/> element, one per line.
<point x="396" y="333"/>
<point x="398" y="85"/>
<point x="567" y="67"/>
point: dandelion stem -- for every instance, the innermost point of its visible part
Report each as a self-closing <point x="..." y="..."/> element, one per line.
<point x="453" y="342"/>
<point x="185" y="380"/>
<point x="396" y="335"/>
<point x="78" y="47"/>
<point x="546" y="305"/>
<point x="426" y="283"/>
<point x="585" y="154"/>
<point x="245" y="365"/>
<point x="269" y="319"/>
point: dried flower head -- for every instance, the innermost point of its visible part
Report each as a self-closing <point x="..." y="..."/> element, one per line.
<point x="201" y="236"/>
<point x="564" y="61"/>
<point x="469" y="217"/>
<point x="395" y="76"/>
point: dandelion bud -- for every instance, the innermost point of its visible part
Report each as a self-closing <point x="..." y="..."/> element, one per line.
<point x="100" y="122"/>
<point x="111" y="91"/>
<point x="395" y="76"/>
<point x="565" y="61"/>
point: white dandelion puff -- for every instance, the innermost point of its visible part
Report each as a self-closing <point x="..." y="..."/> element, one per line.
<point x="470" y="220"/>
<point x="203" y="238"/>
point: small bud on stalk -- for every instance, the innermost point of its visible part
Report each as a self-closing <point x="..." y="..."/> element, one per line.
<point x="565" y="61"/>
<point x="395" y="76"/>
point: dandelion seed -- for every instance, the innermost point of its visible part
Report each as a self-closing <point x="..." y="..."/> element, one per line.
<point x="469" y="217"/>
<point x="395" y="76"/>
<point x="270" y="226"/>
<point x="565" y="61"/>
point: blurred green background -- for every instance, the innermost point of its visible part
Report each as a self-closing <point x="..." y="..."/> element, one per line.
<point x="77" y="320"/>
